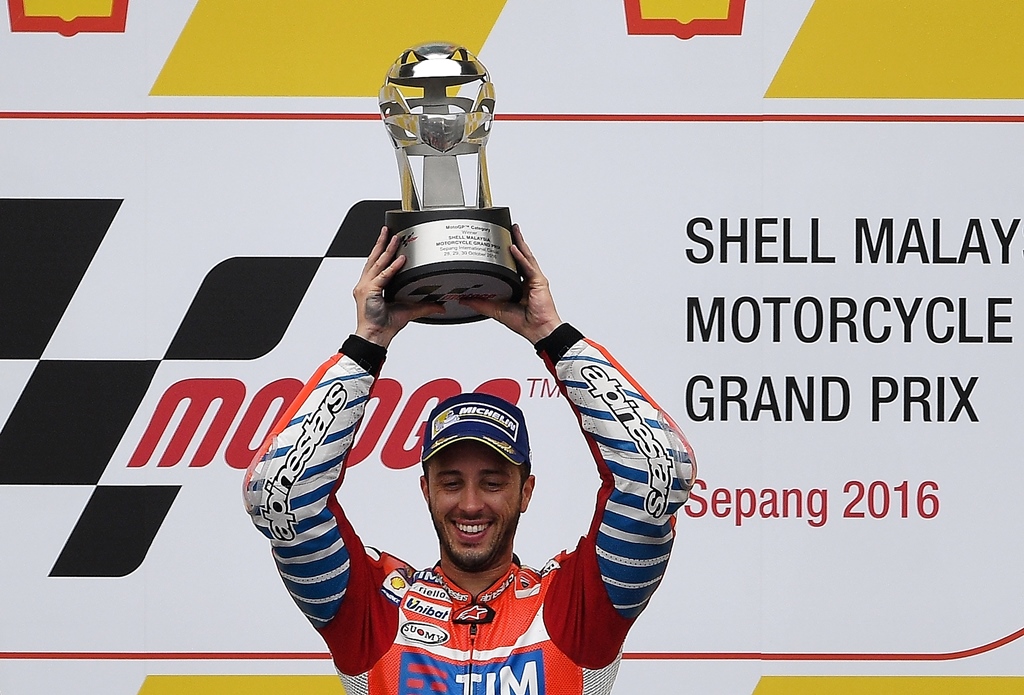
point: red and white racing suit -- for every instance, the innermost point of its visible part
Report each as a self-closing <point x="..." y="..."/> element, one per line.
<point x="394" y="631"/>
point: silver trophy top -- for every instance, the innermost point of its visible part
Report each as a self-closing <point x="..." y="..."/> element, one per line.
<point x="439" y="64"/>
<point x="423" y="120"/>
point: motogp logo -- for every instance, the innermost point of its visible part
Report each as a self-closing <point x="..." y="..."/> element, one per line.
<point x="395" y="420"/>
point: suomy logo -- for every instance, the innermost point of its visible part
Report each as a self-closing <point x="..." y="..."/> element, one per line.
<point x="424" y="633"/>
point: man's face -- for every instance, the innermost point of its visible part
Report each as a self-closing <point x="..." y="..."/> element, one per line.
<point x="475" y="497"/>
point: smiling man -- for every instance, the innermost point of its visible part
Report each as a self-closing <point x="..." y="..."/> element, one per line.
<point x="479" y="622"/>
<point x="476" y="481"/>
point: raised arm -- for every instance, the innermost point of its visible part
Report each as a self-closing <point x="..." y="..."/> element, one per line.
<point x="646" y="470"/>
<point x="289" y="489"/>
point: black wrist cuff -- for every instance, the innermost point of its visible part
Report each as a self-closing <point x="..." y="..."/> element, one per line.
<point x="367" y="355"/>
<point x="558" y="342"/>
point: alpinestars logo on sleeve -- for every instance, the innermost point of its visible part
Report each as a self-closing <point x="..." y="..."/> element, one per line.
<point x="283" y="476"/>
<point x="627" y="411"/>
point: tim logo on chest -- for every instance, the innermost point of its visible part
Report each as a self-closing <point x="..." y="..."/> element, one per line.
<point x="519" y="674"/>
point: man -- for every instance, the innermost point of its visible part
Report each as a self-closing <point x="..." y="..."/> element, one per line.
<point x="478" y="622"/>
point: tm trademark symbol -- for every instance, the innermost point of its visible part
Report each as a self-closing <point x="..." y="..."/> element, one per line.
<point x="542" y="387"/>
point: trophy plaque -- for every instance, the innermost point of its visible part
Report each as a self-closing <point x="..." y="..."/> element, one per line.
<point x="437" y="103"/>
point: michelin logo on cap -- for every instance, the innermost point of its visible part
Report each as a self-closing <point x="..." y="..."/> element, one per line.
<point x="481" y="417"/>
<point x="475" y="412"/>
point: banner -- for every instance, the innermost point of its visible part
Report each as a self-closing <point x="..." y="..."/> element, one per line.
<point x="797" y="224"/>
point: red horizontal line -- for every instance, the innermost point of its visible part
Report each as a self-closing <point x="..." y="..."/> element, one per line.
<point x="764" y="118"/>
<point x="527" y="117"/>
<point x="183" y="116"/>
<point x="825" y="656"/>
<point x="632" y="656"/>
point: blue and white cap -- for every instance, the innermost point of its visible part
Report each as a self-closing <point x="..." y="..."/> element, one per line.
<point x="479" y="417"/>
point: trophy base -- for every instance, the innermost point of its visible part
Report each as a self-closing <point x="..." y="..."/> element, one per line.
<point x="453" y="254"/>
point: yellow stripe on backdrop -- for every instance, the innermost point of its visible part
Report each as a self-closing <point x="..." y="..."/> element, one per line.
<point x="242" y="685"/>
<point x="69" y="9"/>
<point x="889" y="685"/>
<point x="906" y="49"/>
<point x="310" y="47"/>
<point x="684" y="10"/>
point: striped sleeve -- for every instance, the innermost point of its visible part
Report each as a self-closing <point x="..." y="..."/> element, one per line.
<point x="647" y="469"/>
<point x="288" y="486"/>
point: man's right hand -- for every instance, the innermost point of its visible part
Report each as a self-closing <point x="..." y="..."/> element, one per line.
<point x="534" y="316"/>
<point x="376" y="320"/>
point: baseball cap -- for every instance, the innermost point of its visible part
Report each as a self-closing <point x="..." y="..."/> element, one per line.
<point x="478" y="417"/>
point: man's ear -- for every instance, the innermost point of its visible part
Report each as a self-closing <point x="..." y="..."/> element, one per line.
<point x="423" y="487"/>
<point x="527" y="493"/>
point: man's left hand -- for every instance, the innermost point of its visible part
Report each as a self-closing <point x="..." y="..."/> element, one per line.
<point x="376" y="320"/>
<point x="534" y="316"/>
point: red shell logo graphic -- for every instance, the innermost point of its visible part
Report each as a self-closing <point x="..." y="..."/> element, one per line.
<point x="645" y="18"/>
<point x="68" y="17"/>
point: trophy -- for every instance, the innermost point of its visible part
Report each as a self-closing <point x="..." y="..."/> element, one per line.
<point x="437" y="103"/>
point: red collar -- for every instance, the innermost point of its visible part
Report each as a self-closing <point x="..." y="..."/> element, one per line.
<point x="487" y="595"/>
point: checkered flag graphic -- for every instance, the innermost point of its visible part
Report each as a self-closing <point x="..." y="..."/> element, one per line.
<point x="71" y="415"/>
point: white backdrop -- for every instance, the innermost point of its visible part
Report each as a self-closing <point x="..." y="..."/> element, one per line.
<point x="606" y="203"/>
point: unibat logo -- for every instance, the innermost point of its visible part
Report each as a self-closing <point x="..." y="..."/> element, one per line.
<point x="431" y="610"/>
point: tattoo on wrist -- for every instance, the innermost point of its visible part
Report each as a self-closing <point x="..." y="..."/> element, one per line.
<point x="376" y="311"/>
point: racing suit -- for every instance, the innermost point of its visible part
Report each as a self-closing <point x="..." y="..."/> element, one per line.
<point x="394" y="631"/>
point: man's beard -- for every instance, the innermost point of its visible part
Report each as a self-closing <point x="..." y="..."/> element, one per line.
<point x="480" y="558"/>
